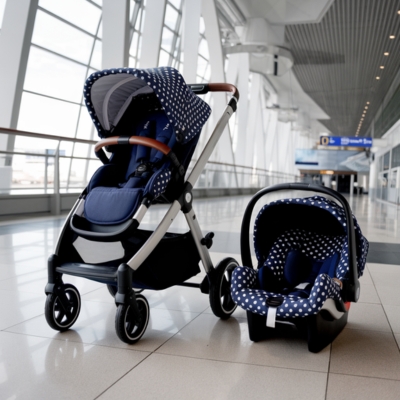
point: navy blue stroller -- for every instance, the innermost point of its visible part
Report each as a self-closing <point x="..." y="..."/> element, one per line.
<point x="310" y="254"/>
<point x="149" y="121"/>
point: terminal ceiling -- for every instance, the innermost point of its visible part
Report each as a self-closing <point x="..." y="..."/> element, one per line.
<point x="337" y="57"/>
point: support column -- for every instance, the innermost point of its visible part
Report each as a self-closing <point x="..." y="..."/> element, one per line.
<point x="15" y="40"/>
<point x="115" y="50"/>
<point x="152" y="31"/>
<point x="190" y="37"/>
<point x="223" y="151"/>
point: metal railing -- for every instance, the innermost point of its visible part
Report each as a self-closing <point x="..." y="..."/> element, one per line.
<point x="51" y="167"/>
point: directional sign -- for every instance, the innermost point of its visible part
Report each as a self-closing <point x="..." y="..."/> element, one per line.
<point x="352" y="141"/>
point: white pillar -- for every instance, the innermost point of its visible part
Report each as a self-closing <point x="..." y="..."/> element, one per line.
<point x="223" y="151"/>
<point x="152" y="31"/>
<point x="190" y="37"/>
<point x="15" y="40"/>
<point x="115" y="42"/>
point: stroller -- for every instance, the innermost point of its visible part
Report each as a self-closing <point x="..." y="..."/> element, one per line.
<point x="149" y="121"/>
<point x="310" y="254"/>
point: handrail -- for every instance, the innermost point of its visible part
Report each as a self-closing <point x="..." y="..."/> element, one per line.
<point x="45" y="136"/>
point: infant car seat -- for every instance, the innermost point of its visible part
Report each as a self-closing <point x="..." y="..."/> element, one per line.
<point x="305" y="264"/>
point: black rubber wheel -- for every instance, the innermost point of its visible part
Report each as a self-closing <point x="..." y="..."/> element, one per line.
<point x="221" y="301"/>
<point x="112" y="289"/>
<point x="56" y="315"/>
<point x="129" y="330"/>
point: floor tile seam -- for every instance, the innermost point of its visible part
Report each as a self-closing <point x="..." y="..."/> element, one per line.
<point x="184" y="326"/>
<point x="239" y="363"/>
<point x="365" y="376"/>
<point x="370" y="329"/>
<point x="79" y="342"/>
<point x="329" y="368"/>
<point x="391" y="328"/>
<point x="114" y="383"/>
<point x="22" y="322"/>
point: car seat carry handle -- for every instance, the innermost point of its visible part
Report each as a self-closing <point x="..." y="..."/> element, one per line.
<point x="351" y="290"/>
<point x="139" y="140"/>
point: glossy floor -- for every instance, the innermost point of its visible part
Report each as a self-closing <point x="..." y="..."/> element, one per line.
<point x="186" y="352"/>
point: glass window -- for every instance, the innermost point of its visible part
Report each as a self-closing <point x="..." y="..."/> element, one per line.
<point x="95" y="62"/>
<point x="2" y="7"/>
<point x="396" y="156"/>
<point x="61" y="38"/>
<point x="86" y="129"/>
<point x="54" y="76"/>
<point x="79" y="12"/>
<point x="176" y="3"/>
<point x="43" y="115"/>
<point x="164" y="59"/>
<point x="171" y="17"/>
<point x="386" y="159"/>
<point x="167" y="38"/>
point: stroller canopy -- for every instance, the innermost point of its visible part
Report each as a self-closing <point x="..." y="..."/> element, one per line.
<point x="109" y="93"/>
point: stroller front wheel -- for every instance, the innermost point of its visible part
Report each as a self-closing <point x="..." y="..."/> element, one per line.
<point x="221" y="301"/>
<point x="128" y="329"/>
<point x="61" y="316"/>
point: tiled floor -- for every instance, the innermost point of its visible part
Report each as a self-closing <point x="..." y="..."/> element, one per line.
<point x="186" y="352"/>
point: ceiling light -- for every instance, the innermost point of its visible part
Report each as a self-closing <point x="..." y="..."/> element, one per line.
<point x="366" y="107"/>
<point x="367" y="102"/>
<point x="381" y="67"/>
<point x="362" y="119"/>
<point x="378" y="77"/>
<point x="386" y="53"/>
<point x="392" y="37"/>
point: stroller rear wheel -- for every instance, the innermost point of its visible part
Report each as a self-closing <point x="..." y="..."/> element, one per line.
<point x="58" y="315"/>
<point x="128" y="329"/>
<point x="221" y="301"/>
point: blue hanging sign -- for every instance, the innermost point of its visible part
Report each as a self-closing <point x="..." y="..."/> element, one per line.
<point x="352" y="141"/>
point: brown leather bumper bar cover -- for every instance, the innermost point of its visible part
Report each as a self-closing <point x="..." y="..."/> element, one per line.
<point x="155" y="144"/>
<point x="224" y="87"/>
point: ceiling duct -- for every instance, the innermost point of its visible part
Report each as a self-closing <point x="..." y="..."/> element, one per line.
<point x="266" y="46"/>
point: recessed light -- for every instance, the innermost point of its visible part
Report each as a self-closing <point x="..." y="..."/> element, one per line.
<point x="392" y="37"/>
<point x="367" y="102"/>
<point x="381" y="67"/>
<point x="386" y="53"/>
<point x="362" y="119"/>
<point x="378" y="77"/>
<point x="366" y="107"/>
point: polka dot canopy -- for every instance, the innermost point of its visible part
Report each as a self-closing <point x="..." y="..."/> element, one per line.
<point x="186" y="111"/>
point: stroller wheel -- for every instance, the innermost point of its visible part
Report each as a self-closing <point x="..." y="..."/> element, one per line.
<point x="221" y="301"/>
<point x="129" y="330"/>
<point x="59" y="316"/>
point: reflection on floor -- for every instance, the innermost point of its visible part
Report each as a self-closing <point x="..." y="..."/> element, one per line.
<point x="186" y="351"/>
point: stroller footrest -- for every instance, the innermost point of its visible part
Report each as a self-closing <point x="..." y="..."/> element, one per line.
<point x="95" y="272"/>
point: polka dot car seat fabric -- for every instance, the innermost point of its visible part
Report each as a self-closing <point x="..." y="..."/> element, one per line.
<point x="153" y="103"/>
<point x="300" y="269"/>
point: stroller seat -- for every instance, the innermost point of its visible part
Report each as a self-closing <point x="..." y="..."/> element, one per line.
<point x="117" y="188"/>
<point x="303" y="275"/>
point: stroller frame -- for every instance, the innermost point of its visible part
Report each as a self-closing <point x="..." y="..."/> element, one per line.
<point x="63" y="300"/>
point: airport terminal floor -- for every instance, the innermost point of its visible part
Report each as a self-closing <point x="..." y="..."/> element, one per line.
<point x="187" y="352"/>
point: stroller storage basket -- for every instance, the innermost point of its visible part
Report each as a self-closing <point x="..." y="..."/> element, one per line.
<point x="174" y="260"/>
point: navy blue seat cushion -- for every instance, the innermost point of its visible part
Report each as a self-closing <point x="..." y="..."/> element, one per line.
<point x="109" y="206"/>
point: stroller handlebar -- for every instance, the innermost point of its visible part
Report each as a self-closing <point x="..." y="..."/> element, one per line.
<point x="352" y="287"/>
<point x="204" y="88"/>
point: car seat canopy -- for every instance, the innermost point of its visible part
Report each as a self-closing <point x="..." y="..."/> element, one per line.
<point x="109" y="93"/>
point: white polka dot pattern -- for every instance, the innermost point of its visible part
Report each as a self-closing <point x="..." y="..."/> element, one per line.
<point x="186" y="111"/>
<point x="244" y="288"/>
<point x="246" y="295"/>
<point x="158" y="183"/>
